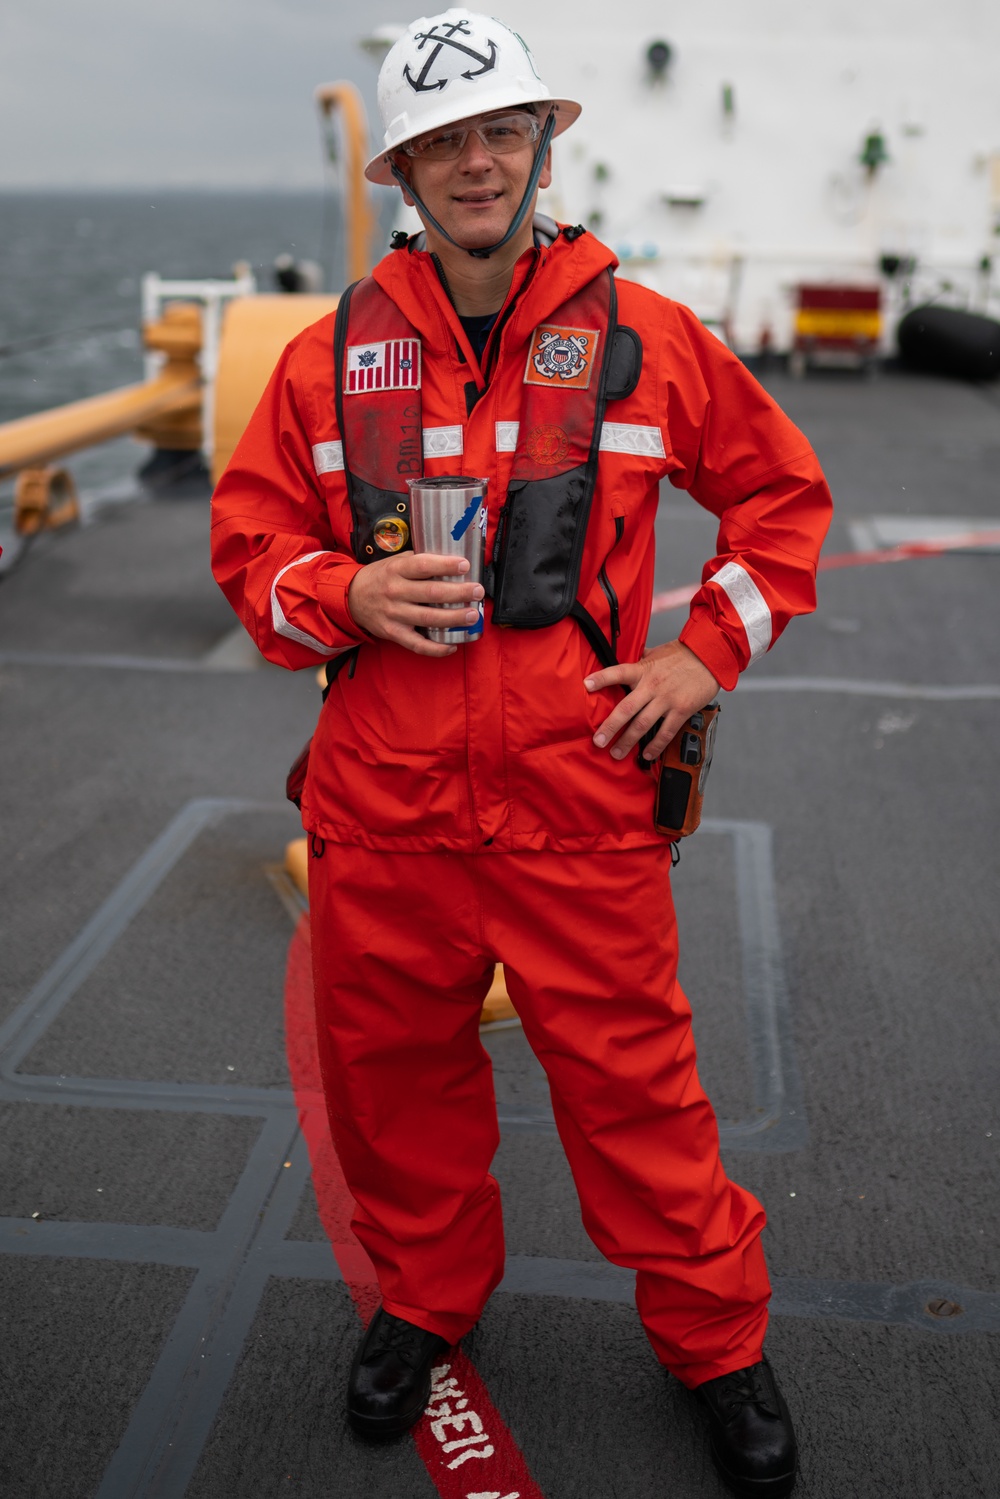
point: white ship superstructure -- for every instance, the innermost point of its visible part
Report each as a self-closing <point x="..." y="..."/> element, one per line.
<point x="730" y="151"/>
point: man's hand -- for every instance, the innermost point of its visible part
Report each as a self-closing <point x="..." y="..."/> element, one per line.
<point x="669" y="682"/>
<point x="391" y="597"/>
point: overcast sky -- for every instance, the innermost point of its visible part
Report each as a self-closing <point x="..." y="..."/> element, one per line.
<point x="121" y="93"/>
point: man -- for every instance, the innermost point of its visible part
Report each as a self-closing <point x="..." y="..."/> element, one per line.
<point x="493" y="801"/>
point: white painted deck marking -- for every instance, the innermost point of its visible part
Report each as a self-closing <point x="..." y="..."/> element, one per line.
<point x="235" y="651"/>
<point x="251" y="1245"/>
<point x="449" y="1408"/>
<point x="876" y="533"/>
<point x="974" y="692"/>
<point x="778" y="1121"/>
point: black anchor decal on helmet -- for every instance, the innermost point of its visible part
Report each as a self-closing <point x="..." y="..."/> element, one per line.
<point x="435" y="35"/>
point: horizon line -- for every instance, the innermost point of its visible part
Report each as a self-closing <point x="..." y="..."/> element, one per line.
<point x="79" y="188"/>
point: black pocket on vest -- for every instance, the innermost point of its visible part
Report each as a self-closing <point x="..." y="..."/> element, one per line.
<point x="539" y="548"/>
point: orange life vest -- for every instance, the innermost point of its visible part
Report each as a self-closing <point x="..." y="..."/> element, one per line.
<point x="540" y="532"/>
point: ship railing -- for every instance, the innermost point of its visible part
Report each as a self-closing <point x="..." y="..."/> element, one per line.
<point x="212" y="297"/>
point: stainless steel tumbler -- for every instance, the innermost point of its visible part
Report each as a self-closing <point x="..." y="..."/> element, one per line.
<point x="448" y="516"/>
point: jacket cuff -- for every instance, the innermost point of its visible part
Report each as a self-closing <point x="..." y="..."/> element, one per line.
<point x="714" y="649"/>
<point x="332" y="597"/>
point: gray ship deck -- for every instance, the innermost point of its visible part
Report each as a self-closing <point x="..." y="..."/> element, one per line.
<point x="177" y="1324"/>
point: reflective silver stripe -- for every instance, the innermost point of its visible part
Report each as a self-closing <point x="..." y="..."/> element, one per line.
<point x="749" y="603"/>
<point x="507" y="436"/>
<point x="328" y="457"/>
<point x="278" y="620"/>
<point x="619" y="437"/>
<point x="443" y="442"/>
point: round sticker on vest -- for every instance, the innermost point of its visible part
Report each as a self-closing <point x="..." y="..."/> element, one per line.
<point x="547" y="445"/>
<point x="391" y="533"/>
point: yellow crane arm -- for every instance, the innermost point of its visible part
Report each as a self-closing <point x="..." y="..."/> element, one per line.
<point x="346" y="101"/>
<point x="52" y="434"/>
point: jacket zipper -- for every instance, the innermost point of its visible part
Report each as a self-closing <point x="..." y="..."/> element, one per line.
<point x="492" y="345"/>
<point x="606" y="585"/>
<point x="501" y="532"/>
<point x="493" y="342"/>
<point x="485" y="363"/>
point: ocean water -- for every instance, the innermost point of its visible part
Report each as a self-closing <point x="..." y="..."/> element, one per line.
<point x="70" y="269"/>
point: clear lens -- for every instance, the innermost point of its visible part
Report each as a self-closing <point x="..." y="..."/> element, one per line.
<point x="501" y="135"/>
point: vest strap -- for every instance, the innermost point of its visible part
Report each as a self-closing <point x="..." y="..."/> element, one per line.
<point x="377" y="382"/>
<point x="543" y="524"/>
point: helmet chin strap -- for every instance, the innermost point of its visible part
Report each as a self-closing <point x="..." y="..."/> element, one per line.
<point x="529" y="192"/>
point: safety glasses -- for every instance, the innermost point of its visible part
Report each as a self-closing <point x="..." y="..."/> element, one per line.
<point x="500" y="134"/>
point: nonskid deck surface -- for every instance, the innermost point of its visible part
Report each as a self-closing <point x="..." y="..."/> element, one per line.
<point x="176" y="1322"/>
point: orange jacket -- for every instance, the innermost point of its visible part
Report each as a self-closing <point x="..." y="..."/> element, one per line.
<point x="491" y="747"/>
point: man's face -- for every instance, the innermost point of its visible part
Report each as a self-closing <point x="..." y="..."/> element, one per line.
<point x="475" y="195"/>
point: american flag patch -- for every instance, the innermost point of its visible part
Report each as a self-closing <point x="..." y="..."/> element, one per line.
<point x="394" y="365"/>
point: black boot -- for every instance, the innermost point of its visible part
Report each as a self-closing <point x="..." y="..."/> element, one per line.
<point x="753" y="1444"/>
<point x="390" y="1381"/>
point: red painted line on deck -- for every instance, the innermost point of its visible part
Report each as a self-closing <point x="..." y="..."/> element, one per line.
<point x="462" y="1440"/>
<point x="911" y="549"/>
<point x="675" y="598"/>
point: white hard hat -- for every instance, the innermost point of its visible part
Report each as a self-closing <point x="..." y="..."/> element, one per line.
<point x="451" y="66"/>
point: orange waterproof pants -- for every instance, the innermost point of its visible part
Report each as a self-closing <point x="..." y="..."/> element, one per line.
<point x="403" y="951"/>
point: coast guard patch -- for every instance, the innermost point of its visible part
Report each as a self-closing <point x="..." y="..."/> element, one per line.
<point x="394" y="365"/>
<point x="561" y="358"/>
